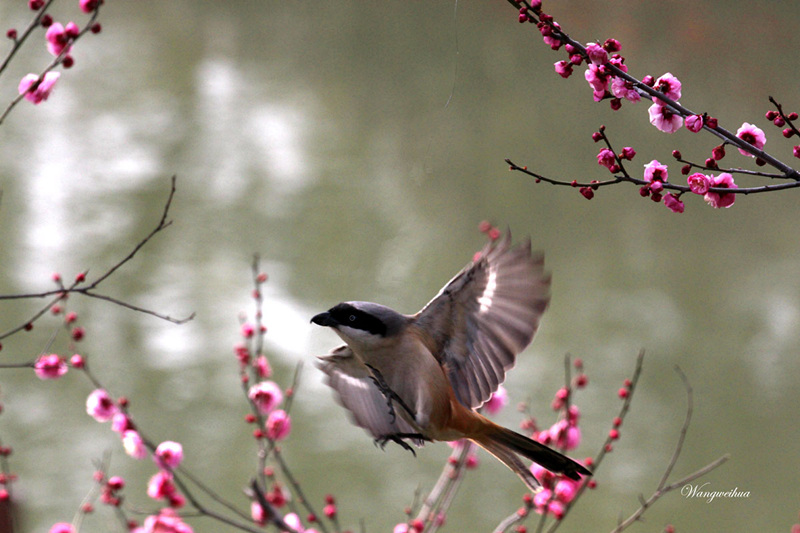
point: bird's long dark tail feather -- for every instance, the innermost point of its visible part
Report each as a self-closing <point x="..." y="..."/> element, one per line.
<point x="506" y="445"/>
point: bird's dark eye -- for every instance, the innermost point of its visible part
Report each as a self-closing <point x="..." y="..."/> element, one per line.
<point x="352" y="318"/>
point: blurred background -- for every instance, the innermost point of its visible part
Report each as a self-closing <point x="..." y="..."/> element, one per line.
<point x="356" y="146"/>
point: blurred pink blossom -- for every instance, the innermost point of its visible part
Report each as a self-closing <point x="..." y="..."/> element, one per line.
<point x="278" y="425"/>
<point x="35" y="91"/>
<point x="169" y="454"/>
<point x="133" y="444"/>
<point x="100" y="405"/>
<point x="266" y="395"/>
<point x="496" y="401"/>
<point x="50" y="366"/>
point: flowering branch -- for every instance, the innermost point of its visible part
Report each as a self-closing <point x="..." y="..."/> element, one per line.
<point x="60" y="40"/>
<point x="609" y="79"/>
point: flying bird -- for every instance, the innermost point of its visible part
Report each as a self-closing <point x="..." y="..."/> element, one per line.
<point x="422" y="377"/>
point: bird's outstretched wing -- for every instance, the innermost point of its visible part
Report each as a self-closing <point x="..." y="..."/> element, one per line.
<point x="358" y="393"/>
<point x="485" y="316"/>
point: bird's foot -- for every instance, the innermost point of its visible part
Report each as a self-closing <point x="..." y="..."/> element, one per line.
<point x="398" y="439"/>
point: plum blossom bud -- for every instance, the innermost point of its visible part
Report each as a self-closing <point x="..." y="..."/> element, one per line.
<point x="612" y="46"/>
<point x="133" y="444"/>
<point x="266" y="395"/>
<point x="796" y="151"/>
<point x="627" y="153"/>
<point x="278" y="425"/>
<point x="77" y="361"/>
<point x="62" y="527"/>
<point x="50" y="366"/>
<point x="100" y="406"/>
<point x="169" y="454"/>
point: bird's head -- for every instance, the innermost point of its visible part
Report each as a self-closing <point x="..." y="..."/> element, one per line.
<point x="362" y="324"/>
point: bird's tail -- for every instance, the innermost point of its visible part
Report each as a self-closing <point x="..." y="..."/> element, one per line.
<point x="506" y="445"/>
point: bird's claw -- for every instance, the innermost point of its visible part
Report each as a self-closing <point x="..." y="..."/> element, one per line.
<point x="398" y="439"/>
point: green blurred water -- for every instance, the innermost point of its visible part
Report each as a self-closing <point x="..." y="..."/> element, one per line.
<point x="356" y="147"/>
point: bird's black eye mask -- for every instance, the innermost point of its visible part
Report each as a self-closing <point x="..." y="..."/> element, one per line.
<point x="347" y="315"/>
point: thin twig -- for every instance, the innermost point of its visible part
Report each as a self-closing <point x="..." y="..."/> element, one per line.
<point x="662" y="487"/>
<point x="87" y="290"/>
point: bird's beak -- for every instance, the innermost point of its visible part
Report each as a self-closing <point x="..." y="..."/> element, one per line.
<point x="324" y="319"/>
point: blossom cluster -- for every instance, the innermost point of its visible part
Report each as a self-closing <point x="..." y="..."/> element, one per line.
<point x="59" y="40"/>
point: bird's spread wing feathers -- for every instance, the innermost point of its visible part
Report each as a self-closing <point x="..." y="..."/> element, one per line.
<point x="485" y="316"/>
<point x="358" y="393"/>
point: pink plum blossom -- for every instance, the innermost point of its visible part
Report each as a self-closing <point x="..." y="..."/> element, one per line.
<point x="262" y="367"/>
<point x="694" y="123"/>
<point x="566" y="489"/>
<point x="167" y="521"/>
<point x="496" y="401"/>
<point x="597" y="55"/>
<point x="669" y="86"/>
<point x="563" y="68"/>
<point x="87" y="6"/>
<point x="50" y="366"/>
<point x="597" y="76"/>
<point x="753" y="135"/>
<point x="266" y="395"/>
<point x="36" y="91"/>
<point x="294" y="522"/>
<point x="121" y="423"/>
<point x="699" y="183"/>
<point x="100" y="405"/>
<point x="169" y="454"/>
<point x="58" y="37"/>
<point x="62" y="527"/>
<point x="624" y="89"/>
<point x="278" y="425"/>
<point x="673" y="203"/>
<point x="664" y="118"/>
<point x="655" y="171"/>
<point x="133" y="444"/>
<point x="717" y="200"/>
<point x="160" y="486"/>
<point x="565" y="435"/>
<point x="607" y="159"/>
<point x="257" y="513"/>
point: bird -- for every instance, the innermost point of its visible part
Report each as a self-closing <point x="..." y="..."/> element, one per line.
<point x="423" y="377"/>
